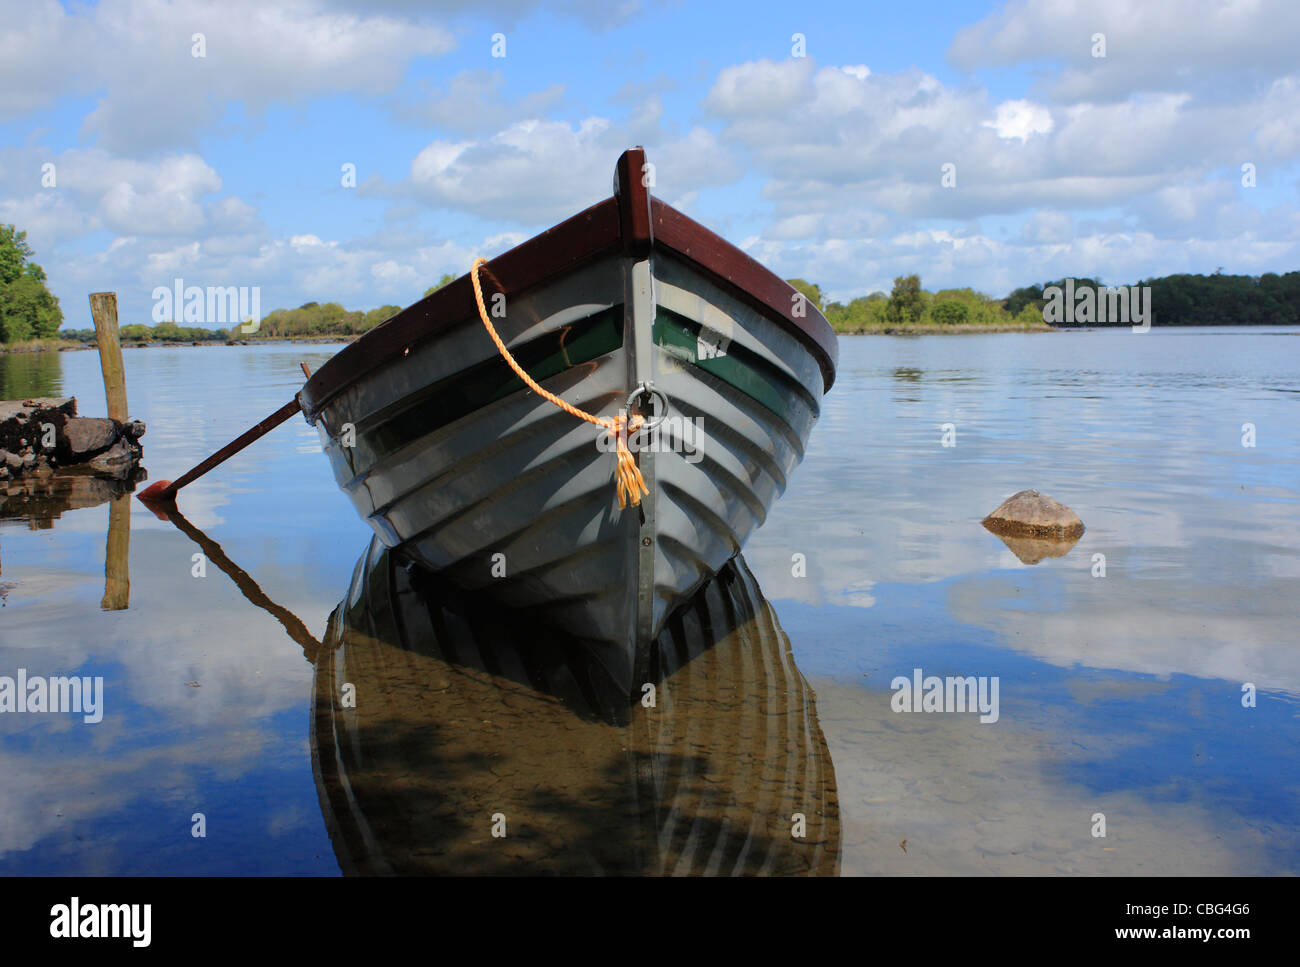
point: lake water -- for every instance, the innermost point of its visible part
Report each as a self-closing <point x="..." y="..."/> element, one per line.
<point x="1125" y="669"/>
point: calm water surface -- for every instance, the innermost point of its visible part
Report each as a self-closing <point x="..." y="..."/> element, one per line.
<point x="1120" y="694"/>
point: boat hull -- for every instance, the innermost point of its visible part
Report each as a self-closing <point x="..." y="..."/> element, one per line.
<point x="516" y="498"/>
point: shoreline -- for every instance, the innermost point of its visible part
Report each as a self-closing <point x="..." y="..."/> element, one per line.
<point x="937" y="329"/>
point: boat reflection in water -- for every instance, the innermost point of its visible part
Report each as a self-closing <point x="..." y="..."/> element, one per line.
<point x="439" y="725"/>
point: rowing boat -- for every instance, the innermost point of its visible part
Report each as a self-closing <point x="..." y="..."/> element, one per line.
<point x="702" y="370"/>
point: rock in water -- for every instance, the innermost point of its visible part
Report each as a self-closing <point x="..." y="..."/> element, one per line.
<point x="36" y="435"/>
<point x="117" y="461"/>
<point x="1031" y="514"/>
<point x="83" y="437"/>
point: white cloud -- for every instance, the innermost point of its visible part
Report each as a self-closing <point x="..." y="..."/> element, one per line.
<point x="94" y="190"/>
<point x="390" y="271"/>
<point x="34" y="66"/>
<point x="537" y="172"/>
<point x="504" y="14"/>
<point x="48" y="218"/>
<point x="848" y="191"/>
<point x="531" y="171"/>
<point x="474" y="102"/>
<point x="1157" y="45"/>
<point x="1047" y="228"/>
<point x="360" y="272"/>
<point x="137" y="55"/>
<point x="1020" y="119"/>
<point x="759" y="88"/>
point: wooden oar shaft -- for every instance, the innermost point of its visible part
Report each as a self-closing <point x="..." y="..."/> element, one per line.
<point x="234" y="446"/>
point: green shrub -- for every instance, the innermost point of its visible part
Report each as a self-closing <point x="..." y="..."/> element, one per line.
<point x="950" y="312"/>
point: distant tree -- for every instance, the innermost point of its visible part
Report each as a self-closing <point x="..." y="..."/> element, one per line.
<point x="1225" y="300"/>
<point x="906" y="302"/>
<point x="135" y="332"/>
<point x="375" y="316"/>
<point x="1029" y="314"/>
<point x="447" y="277"/>
<point x="861" y="313"/>
<point x="328" y="318"/>
<point x="14" y="253"/>
<point x="1028" y="295"/>
<point x="27" y="307"/>
<point x="811" y="292"/>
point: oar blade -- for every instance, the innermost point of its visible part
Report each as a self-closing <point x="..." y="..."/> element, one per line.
<point x="158" y="497"/>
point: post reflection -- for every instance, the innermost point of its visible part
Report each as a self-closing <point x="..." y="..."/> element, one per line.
<point x="43" y="498"/>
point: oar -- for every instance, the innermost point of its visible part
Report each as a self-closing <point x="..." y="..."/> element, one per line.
<point x="164" y="491"/>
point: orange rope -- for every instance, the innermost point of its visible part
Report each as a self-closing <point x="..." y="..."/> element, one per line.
<point x="627" y="476"/>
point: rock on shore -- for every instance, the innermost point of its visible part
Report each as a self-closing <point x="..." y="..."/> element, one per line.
<point x="45" y="434"/>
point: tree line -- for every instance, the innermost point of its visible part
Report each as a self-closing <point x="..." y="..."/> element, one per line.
<point x="1176" y="300"/>
<point x="309" y="321"/>
<point x="908" y="304"/>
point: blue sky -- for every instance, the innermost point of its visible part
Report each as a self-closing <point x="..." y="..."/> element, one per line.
<point x="226" y="169"/>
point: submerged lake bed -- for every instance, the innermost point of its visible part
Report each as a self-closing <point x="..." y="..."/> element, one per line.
<point x="1147" y="680"/>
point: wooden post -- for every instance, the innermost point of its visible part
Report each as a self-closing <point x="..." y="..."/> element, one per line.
<point x="103" y="309"/>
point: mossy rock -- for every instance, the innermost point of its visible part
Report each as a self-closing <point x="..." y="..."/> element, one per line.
<point x="1031" y="514"/>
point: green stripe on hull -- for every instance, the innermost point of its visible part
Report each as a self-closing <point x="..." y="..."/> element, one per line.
<point x="471" y="389"/>
<point x="734" y="365"/>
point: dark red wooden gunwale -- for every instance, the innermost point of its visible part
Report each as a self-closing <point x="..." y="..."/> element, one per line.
<point x="631" y="221"/>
